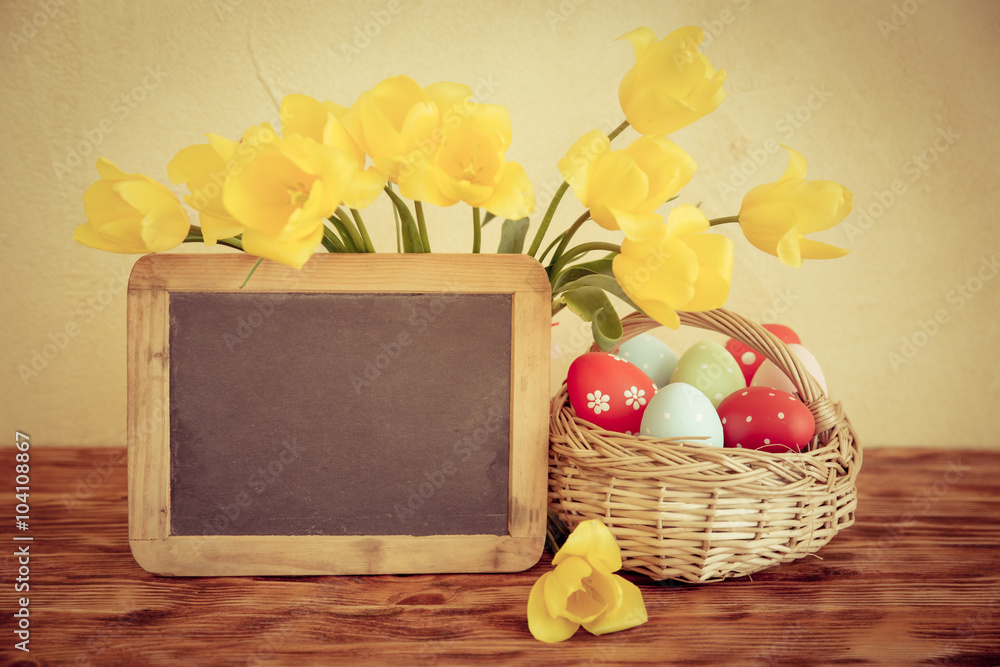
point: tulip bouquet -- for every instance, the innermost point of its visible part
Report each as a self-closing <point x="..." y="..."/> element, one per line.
<point x="283" y="196"/>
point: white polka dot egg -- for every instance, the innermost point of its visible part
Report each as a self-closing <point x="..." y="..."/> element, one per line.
<point x="681" y="411"/>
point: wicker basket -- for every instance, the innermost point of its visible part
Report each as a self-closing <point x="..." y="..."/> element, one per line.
<point x="697" y="513"/>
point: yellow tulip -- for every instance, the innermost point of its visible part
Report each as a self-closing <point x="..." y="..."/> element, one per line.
<point x="671" y="84"/>
<point x="469" y="164"/>
<point x="320" y="121"/>
<point x="677" y="268"/>
<point x="206" y="168"/>
<point x="131" y="213"/>
<point x="582" y="590"/>
<point x="775" y="217"/>
<point x="397" y="120"/>
<point x="622" y="188"/>
<point x="282" y="192"/>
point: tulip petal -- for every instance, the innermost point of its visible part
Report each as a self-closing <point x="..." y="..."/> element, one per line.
<point x="445" y="95"/>
<point x="109" y="171"/>
<point x="213" y="228"/>
<point x="579" y="158"/>
<point x="88" y="235"/>
<point x="637" y="227"/>
<point x="164" y="227"/>
<point x="421" y="121"/>
<point x="303" y="115"/>
<point x="143" y="195"/>
<point x="796" y="165"/>
<point x="715" y="254"/>
<point x="542" y="625"/>
<point x="628" y="613"/>
<point x="494" y="116"/>
<point x="294" y="252"/>
<point x="817" y="250"/>
<point x="788" y="248"/>
<point x="102" y="203"/>
<point x="667" y="166"/>
<point x="641" y="38"/>
<point x="594" y="541"/>
<point x="566" y="580"/>
<point x="365" y="188"/>
<point x="513" y="197"/>
<point x="194" y="163"/>
<point x="616" y="180"/>
<point x="419" y="182"/>
<point x="684" y="220"/>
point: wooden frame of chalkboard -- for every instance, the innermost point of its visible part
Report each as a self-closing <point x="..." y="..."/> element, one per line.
<point x="182" y="445"/>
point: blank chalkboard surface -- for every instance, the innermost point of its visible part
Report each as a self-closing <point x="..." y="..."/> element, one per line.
<point x="368" y="414"/>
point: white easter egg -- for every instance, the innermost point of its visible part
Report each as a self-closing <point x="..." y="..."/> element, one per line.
<point x="681" y="411"/>
<point x="768" y="375"/>
<point x="651" y="355"/>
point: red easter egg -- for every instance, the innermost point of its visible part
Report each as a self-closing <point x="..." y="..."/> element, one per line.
<point x="608" y="391"/>
<point x="750" y="359"/>
<point x="767" y="419"/>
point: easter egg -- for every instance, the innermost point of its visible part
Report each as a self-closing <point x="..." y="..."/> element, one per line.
<point x="709" y="368"/>
<point x="681" y="411"/>
<point x="750" y="359"/>
<point x="608" y="391"/>
<point x="768" y="375"/>
<point x="767" y="419"/>
<point x="651" y="355"/>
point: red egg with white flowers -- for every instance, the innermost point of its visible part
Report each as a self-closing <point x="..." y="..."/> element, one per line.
<point x="750" y="359"/>
<point x="766" y="419"/>
<point x="608" y="391"/>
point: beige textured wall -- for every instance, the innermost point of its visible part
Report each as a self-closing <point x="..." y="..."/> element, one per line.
<point x="896" y="99"/>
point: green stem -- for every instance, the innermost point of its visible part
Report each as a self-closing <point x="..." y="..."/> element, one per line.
<point x="351" y="230"/>
<point x="331" y="242"/>
<point x="418" y="207"/>
<point x="247" y="279"/>
<point x="576" y="251"/>
<point x="552" y="245"/>
<point x="549" y="212"/>
<point x="618" y="130"/>
<point x="369" y="247"/>
<point x="477" y="229"/>
<point x="722" y="221"/>
<point x="569" y="235"/>
<point x="349" y="245"/>
<point x="395" y="218"/>
<point x="195" y="236"/>
<point x="411" y="240"/>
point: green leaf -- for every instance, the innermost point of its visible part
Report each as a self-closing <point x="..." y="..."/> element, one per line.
<point x="607" y="328"/>
<point x="512" y="236"/>
<point x="577" y="271"/>
<point x="592" y="305"/>
<point x="598" y="281"/>
<point x="489" y="216"/>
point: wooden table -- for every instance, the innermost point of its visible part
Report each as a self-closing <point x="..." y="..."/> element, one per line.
<point x="914" y="581"/>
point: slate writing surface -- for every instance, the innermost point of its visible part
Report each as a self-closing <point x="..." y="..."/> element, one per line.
<point x="339" y="414"/>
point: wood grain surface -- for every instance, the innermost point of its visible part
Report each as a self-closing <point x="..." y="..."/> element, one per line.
<point x="914" y="581"/>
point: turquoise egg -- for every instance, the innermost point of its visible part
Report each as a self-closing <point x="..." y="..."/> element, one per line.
<point x="681" y="411"/>
<point x="710" y="368"/>
<point x="652" y="356"/>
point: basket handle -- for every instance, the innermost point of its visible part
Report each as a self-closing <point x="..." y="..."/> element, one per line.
<point x="736" y="326"/>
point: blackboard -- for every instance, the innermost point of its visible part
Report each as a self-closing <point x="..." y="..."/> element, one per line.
<point x="369" y="414"/>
